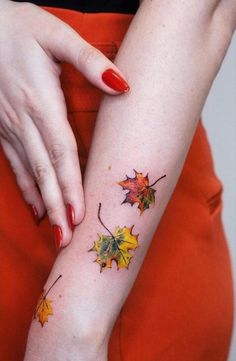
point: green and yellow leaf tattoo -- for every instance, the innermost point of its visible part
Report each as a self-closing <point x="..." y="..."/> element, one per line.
<point x="114" y="246"/>
<point x="139" y="190"/>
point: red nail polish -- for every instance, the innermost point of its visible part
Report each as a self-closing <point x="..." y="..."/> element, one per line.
<point x="115" y="81"/>
<point x="35" y="214"/>
<point x="70" y="216"/>
<point x="58" y="236"/>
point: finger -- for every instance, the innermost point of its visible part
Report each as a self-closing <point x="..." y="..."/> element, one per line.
<point x="50" y="118"/>
<point x="24" y="180"/>
<point x="67" y="45"/>
<point x="46" y="179"/>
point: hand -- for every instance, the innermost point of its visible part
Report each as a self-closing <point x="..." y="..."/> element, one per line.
<point x="34" y="132"/>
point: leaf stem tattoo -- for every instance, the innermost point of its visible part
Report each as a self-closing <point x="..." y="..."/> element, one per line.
<point x="139" y="190"/>
<point x="163" y="176"/>
<point x="99" y="217"/>
<point x="114" y="246"/>
<point x="44" y="307"/>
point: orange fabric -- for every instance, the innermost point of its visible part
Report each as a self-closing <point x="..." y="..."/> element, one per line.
<point x="180" y="308"/>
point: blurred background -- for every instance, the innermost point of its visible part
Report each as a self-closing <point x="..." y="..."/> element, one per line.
<point x="219" y="118"/>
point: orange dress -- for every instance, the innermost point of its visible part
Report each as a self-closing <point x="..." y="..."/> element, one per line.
<point x="180" y="308"/>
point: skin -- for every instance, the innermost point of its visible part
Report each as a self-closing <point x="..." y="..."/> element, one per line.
<point x="187" y="40"/>
<point x="32" y="106"/>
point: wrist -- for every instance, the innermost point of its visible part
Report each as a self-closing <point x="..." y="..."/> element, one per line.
<point x="65" y="339"/>
<point x="87" y="343"/>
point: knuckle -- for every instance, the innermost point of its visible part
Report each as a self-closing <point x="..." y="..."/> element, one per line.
<point x="27" y="188"/>
<point x="53" y="212"/>
<point x="88" y="55"/>
<point x="41" y="173"/>
<point x="56" y="153"/>
<point x="67" y="189"/>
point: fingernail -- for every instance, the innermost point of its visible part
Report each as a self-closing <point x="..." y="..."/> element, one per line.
<point x="35" y="214"/>
<point x="115" y="81"/>
<point x="58" y="236"/>
<point x="70" y="216"/>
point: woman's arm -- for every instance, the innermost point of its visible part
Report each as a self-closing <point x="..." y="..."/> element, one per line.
<point x="171" y="54"/>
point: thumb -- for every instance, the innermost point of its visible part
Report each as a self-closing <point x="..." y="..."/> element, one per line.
<point x="67" y="45"/>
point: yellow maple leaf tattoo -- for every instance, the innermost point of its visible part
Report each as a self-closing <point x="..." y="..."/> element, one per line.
<point x="44" y="307"/>
<point x="115" y="247"/>
<point x="43" y="310"/>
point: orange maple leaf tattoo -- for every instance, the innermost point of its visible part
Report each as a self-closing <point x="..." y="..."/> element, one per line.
<point x="44" y="308"/>
<point x="139" y="190"/>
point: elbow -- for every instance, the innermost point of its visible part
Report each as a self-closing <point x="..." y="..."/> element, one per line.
<point x="223" y="19"/>
<point x="204" y="8"/>
<point x="226" y="10"/>
<point x="220" y="26"/>
<point x="221" y="13"/>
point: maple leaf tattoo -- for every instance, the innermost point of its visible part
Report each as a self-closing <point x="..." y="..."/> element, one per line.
<point x="44" y="308"/>
<point x="139" y="190"/>
<point x="114" y="247"/>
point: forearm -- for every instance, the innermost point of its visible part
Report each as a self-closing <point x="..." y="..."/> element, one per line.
<point x="170" y="58"/>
